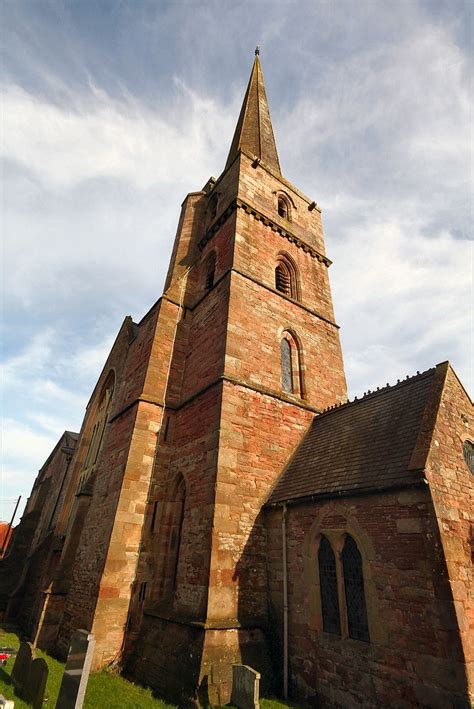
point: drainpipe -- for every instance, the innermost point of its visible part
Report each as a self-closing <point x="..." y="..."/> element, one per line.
<point x="285" y="603"/>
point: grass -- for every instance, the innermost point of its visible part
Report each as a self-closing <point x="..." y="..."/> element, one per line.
<point x="105" y="690"/>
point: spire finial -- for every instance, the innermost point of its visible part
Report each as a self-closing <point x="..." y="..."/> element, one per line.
<point x="257" y="50"/>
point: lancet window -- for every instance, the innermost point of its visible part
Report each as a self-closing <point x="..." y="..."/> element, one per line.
<point x="98" y="428"/>
<point x="357" y="623"/>
<point x="291" y="374"/>
<point x="283" y="207"/>
<point x="286" y="280"/>
<point x="328" y="588"/>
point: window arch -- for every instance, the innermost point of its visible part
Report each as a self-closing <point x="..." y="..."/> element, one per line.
<point x="210" y="270"/>
<point x="283" y="206"/>
<point x="98" y="428"/>
<point x="290" y="362"/>
<point x="357" y="623"/>
<point x="328" y="588"/>
<point x="286" y="277"/>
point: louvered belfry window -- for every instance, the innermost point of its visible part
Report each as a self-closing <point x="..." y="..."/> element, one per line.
<point x="286" y="367"/>
<point x="358" y="626"/>
<point x="282" y="279"/>
<point x="328" y="587"/>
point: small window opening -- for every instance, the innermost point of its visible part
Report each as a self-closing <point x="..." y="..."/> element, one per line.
<point x="167" y="428"/>
<point x="153" y="516"/>
<point x="211" y="271"/>
<point x="142" y="592"/>
<point x="283" y="208"/>
<point x="213" y="207"/>
<point x="358" y="626"/>
<point x="328" y="588"/>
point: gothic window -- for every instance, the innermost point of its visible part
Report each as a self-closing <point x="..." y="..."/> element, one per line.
<point x="210" y="270"/>
<point x="358" y="627"/>
<point x="283" y="207"/>
<point x="328" y="588"/>
<point x="291" y="375"/>
<point x="98" y="429"/>
<point x="285" y="277"/>
<point x="468" y="451"/>
<point x="286" y="368"/>
<point x="178" y="505"/>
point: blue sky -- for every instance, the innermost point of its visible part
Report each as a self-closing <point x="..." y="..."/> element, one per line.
<point x="113" y="111"/>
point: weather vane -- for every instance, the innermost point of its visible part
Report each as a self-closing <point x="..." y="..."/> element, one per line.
<point x="257" y="50"/>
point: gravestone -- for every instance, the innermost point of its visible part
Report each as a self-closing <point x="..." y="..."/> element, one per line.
<point x="78" y="666"/>
<point x="6" y="703"/>
<point x="22" y="665"/>
<point x="35" y="686"/>
<point x="245" y="687"/>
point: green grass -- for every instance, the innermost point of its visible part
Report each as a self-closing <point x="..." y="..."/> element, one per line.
<point x="105" y="690"/>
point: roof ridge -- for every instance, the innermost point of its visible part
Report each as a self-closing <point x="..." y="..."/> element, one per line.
<point x="377" y="392"/>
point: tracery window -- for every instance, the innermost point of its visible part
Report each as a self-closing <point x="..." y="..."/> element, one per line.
<point x="291" y="374"/>
<point x="328" y="588"/>
<point x="358" y="626"/>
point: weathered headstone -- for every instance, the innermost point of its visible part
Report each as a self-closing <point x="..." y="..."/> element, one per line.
<point x="35" y="687"/>
<point x="21" y="668"/>
<point x="78" y="666"/>
<point x="245" y="687"/>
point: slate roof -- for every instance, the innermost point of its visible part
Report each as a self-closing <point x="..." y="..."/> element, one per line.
<point x="363" y="445"/>
<point x="254" y="131"/>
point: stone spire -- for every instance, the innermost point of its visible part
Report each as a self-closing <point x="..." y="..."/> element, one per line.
<point x="254" y="132"/>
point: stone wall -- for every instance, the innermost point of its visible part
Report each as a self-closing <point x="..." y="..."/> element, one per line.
<point x="412" y="629"/>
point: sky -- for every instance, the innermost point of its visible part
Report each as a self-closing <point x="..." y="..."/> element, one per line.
<point x="113" y="110"/>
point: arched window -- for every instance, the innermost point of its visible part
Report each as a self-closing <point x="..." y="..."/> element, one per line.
<point x="210" y="270"/>
<point x="286" y="280"/>
<point x="291" y="375"/>
<point x="357" y="623"/>
<point x="98" y="429"/>
<point x="283" y="207"/>
<point x="178" y="501"/>
<point x="328" y="588"/>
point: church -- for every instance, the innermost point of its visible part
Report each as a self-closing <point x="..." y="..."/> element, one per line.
<point x="225" y="503"/>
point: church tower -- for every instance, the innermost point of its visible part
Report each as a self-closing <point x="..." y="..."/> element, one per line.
<point x="159" y="543"/>
<point x="255" y="355"/>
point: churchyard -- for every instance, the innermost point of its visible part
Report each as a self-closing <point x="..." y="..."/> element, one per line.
<point x="105" y="689"/>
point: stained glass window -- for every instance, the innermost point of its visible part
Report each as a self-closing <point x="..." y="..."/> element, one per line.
<point x="354" y="589"/>
<point x="328" y="586"/>
<point x="286" y="369"/>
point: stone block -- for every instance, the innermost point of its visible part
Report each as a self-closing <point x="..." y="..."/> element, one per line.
<point x="245" y="687"/>
<point x="21" y="668"/>
<point x="36" y="683"/>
